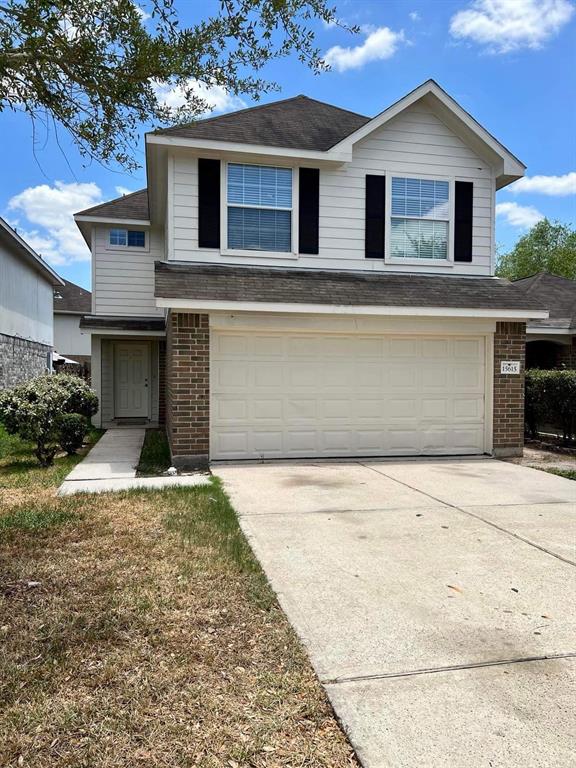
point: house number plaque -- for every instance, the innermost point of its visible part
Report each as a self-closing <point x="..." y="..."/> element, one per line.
<point x="510" y="366"/>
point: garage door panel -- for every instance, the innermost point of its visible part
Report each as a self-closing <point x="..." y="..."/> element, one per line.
<point x="303" y="395"/>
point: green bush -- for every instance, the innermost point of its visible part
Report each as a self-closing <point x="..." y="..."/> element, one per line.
<point x="551" y="398"/>
<point x="34" y="410"/>
<point x="73" y="428"/>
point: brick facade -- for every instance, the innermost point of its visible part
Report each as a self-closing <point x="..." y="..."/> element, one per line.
<point x="188" y="388"/>
<point x="187" y="362"/>
<point x="21" y="360"/>
<point x="508" y="431"/>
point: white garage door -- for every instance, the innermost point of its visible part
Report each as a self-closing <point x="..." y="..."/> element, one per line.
<point x="296" y="395"/>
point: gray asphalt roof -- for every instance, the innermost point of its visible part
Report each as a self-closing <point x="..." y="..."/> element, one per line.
<point x="72" y="298"/>
<point x="132" y="206"/>
<point x="259" y="284"/>
<point x="557" y="294"/>
<point x="299" y="123"/>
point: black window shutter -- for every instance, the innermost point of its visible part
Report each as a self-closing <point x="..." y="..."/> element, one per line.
<point x="464" y="194"/>
<point x="375" y="216"/>
<point x="208" y="203"/>
<point x="308" y="210"/>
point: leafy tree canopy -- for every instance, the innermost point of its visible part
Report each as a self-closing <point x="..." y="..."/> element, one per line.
<point x="548" y="247"/>
<point x="95" y="66"/>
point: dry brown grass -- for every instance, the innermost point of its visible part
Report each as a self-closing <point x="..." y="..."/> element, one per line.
<point x="137" y="630"/>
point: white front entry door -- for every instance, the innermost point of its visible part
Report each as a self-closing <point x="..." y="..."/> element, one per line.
<point x="290" y="395"/>
<point x="131" y="376"/>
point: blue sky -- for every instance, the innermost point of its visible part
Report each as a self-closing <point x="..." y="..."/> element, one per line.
<point x="510" y="63"/>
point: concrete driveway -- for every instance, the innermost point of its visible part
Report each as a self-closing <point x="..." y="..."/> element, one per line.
<point x="436" y="600"/>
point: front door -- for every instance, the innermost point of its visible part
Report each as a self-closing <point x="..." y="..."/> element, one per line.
<point x="131" y="374"/>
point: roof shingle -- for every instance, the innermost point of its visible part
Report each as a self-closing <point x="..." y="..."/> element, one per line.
<point x="132" y="206"/>
<point x="298" y="286"/>
<point x="297" y="123"/>
<point x="72" y="298"/>
<point x="557" y="294"/>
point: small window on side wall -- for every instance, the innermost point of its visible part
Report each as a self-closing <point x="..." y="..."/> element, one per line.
<point x="131" y="238"/>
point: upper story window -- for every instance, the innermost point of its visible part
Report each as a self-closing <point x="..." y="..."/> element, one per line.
<point x="420" y="215"/>
<point x="128" y="238"/>
<point x="259" y="202"/>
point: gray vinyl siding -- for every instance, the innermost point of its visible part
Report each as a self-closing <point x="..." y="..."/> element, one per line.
<point x="414" y="143"/>
<point x="26" y="300"/>
<point x="107" y="381"/>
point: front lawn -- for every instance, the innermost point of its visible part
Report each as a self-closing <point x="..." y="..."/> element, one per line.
<point x="137" y="629"/>
<point x="568" y="473"/>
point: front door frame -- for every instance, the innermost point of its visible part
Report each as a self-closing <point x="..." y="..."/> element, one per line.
<point x="148" y="394"/>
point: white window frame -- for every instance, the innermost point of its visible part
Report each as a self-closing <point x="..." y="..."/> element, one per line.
<point x="224" y="250"/>
<point x="449" y="260"/>
<point x="134" y="248"/>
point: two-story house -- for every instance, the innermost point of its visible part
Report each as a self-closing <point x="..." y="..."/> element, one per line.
<point x="27" y="284"/>
<point x="302" y="281"/>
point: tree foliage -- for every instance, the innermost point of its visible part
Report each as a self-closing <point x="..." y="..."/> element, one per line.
<point x="95" y="66"/>
<point x="548" y="247"/>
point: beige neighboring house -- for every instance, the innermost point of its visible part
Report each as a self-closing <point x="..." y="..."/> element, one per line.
<point x="302" y="281"/>
<point x="26" y="322"/>
<point x="71" y="302"/>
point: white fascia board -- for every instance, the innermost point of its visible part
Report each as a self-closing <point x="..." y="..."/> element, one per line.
<point x="103" y="220"/>
<point x="543" y="331"/>
<point x="192" y="305"/>
<point x="511" y="165"/>
<point x="340" y="156"/>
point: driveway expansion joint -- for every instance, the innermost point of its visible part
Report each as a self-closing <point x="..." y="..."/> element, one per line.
<point x="449" y="668"/>
<point x="476" y="517"/>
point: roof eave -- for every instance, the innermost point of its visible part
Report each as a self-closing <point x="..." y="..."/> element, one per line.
<point x="329" y="156"/>
<point x="33" y="259"/>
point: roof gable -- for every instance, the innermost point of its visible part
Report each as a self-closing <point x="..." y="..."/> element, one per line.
<point x="509" y="167"/>
<point x="297" y="123"/>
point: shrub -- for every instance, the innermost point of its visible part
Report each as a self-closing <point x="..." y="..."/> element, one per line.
<point x="34" y="410"/>
<point x="551" y="398"/>
<point x="72" y="428"/>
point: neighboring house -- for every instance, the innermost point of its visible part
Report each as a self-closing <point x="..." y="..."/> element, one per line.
<point x="70" y="303"/>
<point x="26" y="325"/>
<point x="302" y="281"/>
<point x="551" y="343"/>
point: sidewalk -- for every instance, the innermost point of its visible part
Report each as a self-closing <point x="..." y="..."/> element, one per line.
<point x="111" y="466"/>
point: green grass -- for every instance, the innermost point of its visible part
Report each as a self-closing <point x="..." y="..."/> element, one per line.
<point x="19" y="467"/>
<point x="155" y="455"/>
<point x="570" y="474"/>
<point x="35" y="517"/>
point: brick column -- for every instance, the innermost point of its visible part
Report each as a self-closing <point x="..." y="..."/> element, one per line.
<point x="188" y="388"/>
<point x="508" y="432"/>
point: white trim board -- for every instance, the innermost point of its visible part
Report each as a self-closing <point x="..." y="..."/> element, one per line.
<point x="193" y="305"/>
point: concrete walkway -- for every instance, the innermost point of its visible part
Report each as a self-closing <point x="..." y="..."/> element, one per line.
<point x="435" y="598"/>
<point x="111" y="466"/>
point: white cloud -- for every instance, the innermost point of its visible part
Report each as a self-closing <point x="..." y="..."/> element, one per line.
<point x="216" y="96"/>
<point x="558" y="186"/>
<point x="381" y="43"/>
<point x="508" y="25"/>
<point x="144" y="15"/>
<point x="123" y="190"/>
<point x="48" y="223"/>
<point x="523" y="216"/>
<point x="414" y="16"/>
